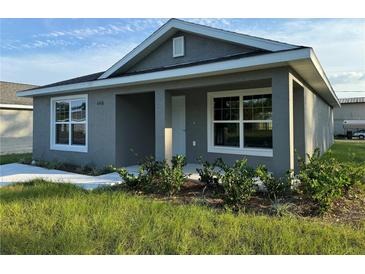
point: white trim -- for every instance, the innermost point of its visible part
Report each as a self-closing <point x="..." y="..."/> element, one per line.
<point x="175" y="40"/>
<point x="323" y="75"/>
<point x="223" y="67"/>
<point x="241" y="150"/>
<point x="174" y="24"/>
<point x="69" y="147"/>
<point x="16" y="106"/>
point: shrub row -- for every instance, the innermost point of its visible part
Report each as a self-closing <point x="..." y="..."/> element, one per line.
<point x="240" y="181"/>
<point x="322" y="180"/>
<point x="157" y="176"/>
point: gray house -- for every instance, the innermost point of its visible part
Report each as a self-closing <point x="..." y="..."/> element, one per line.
<point x="193" y="90"/>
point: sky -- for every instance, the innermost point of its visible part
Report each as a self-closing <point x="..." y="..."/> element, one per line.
<point x="42" y="51"/>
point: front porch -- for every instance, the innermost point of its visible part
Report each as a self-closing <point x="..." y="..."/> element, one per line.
<point x="179" y="118"/>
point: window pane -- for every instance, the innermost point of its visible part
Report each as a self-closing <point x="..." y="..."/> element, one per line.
<point x="78" y="110"/>
<point x="258" y="135"/>
<point x="257" y="107"/>
<point x="78" y="134"/>
<point x="62" y="133"/>
<point x="226" y="134"/>
<point x="62" y="111"/>
<point x="226" y="108"/>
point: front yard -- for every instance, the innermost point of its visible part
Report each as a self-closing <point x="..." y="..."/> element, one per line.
<point x="46" y="218"/>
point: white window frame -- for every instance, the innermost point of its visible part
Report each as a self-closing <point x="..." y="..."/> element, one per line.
<point x="69" y="147"/>
<point x="179" y="39"/>
<point x="264" y="152"/>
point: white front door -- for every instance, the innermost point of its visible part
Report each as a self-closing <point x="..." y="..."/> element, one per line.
<point x="178" y="125"/>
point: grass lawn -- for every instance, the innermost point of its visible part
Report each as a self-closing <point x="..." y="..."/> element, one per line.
<point x="350" y="151"/>
<point x="46" y="218"/>
<point x="14" y="158"/>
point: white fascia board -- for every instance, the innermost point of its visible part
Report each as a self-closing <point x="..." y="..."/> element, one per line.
<point x="201" y="30"/>
<point x="320" y="70"/>
<point x="229" y="66"/>
<point x="15" y="106"/>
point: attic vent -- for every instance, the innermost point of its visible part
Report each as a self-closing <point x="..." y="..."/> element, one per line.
<point x="178" y="46"/>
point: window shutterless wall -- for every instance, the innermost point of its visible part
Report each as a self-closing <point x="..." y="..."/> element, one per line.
<point x="101" y="132"/>
<point x="69" y="122"/>
<point x="242" y="149"/>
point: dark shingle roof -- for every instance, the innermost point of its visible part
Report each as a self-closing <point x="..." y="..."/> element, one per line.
<point x="352" y="100"/>
<point x="8" y="93"/>
<point x="81" y="79"/>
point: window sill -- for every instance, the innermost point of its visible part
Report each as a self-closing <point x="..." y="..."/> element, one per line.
<point x="262" y="152"/>
<point x="69" y="148"/>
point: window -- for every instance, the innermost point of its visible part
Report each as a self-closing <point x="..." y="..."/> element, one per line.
<point x="178" y="46"/>
<point x="69" y="123"/>
<point x="257" y="121"/>
<point x="240" y="122"/>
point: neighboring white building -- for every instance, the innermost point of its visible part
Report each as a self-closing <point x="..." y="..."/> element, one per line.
<point x="16" y="119"/>
<point x="352" y="110"/>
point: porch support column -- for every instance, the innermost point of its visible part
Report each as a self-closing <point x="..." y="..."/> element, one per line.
<point x="163" y="131"/>
<point x="282" y="119"/>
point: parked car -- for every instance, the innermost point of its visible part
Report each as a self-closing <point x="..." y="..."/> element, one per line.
<point x="360" y="134"/>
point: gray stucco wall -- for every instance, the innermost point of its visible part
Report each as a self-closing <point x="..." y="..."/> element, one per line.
<point x="299" y="130"/>
<point x="108" y="122"/>
<point x="197" y="48"/>
<point x="101" y="132"/>
<point x="348" y="112"/>
<point x="318" y="123"/>
<point x="135" y="128"/>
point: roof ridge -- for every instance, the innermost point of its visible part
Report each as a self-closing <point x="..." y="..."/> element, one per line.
<point x="234" y="32"/>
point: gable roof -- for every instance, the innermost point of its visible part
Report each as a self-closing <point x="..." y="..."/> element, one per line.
<point x="174" y="25"/>
<point x="266" y="54"/>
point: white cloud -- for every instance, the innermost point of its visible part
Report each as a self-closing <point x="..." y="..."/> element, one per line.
<point x="135" y="25"/>
<point x="338" y="43"/>
<point x="41" y="69"/>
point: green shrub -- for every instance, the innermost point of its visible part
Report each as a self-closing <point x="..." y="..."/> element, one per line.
<point x="209" y="173"/>
<point x="276" y="187"/>
<point x="171" y="178"/>
<point x="324" y="180"/>
<point x="130" y="180"/>
<point x="157" y="176"/>
<point x="238" y="183"/>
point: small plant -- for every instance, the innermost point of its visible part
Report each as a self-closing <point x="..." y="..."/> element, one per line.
<point x="209" y="173"/>
<point x="131" y="181"/>
<point x="238" y="183"/>
<point x="157" y="176"/>
<point x="324" y="180"/>
<point x="280" y="209"/>
<point x="172" y="177"/>
<point x="108" y="169"/>
<point x="276" y="187"/>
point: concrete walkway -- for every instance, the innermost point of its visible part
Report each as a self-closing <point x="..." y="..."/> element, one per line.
<point x="19" y="173"/>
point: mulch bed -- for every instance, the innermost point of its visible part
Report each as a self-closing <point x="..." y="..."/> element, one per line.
<point x="348" y="210"/>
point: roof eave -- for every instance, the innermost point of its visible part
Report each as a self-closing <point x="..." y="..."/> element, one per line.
<point x="291" y="58"/>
